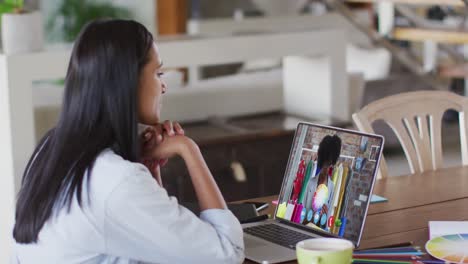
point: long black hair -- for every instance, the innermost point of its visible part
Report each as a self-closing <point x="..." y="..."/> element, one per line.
<point x="329" y="151"/>
<point x="99" y="111"/>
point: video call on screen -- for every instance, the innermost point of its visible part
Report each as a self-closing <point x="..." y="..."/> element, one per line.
<point x="329" y="179"/>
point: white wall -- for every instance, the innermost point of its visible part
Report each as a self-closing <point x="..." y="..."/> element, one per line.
<point x="6" y="167"/>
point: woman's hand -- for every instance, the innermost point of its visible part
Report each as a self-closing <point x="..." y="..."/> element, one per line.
<point x="170" y="144"/>
<point x="178" y="145"/>
<point x="151" y="138"/>
<point x="154" y="135"/>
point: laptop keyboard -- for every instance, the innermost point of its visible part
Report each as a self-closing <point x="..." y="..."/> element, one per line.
<point x="277" y="234"/>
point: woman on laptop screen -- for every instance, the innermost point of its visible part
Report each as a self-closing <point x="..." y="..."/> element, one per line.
<point x="328" y="180"/>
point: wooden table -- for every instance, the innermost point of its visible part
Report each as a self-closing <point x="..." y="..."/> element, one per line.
<point x="413" y="201"/>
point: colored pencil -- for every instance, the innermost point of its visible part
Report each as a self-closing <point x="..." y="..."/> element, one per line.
<point x="404" y="244"/>
<point x="381" y="261"/>
<point x="398" y="254"/>
<point x="414" y="253"/>
<point x="390" y="257"/>
<point x="388" y="249"/>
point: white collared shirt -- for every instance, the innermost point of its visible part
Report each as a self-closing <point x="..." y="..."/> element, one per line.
<point x="129" y="218"/>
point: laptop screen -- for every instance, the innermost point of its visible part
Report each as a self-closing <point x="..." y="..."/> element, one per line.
<point x="329" y="179"/>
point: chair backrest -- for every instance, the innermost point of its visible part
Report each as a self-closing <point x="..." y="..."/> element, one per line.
<point x="416" y="120"/>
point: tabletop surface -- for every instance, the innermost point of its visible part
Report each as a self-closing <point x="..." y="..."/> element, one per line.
<point x="413" y="201"/>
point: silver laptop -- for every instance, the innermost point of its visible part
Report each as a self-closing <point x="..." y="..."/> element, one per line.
<point x="326" y="192"/>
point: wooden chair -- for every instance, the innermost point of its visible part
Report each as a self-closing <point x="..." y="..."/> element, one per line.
<point x="416" y="119"/>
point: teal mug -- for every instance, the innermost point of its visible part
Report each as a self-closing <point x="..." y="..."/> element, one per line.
<point x="324" y="251"/>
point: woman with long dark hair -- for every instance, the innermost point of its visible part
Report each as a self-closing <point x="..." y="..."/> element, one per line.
<point x="85" y="195"/>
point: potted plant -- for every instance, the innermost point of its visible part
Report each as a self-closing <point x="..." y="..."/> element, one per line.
<point x="21" y="30"/>
<point x="70" y="16"/>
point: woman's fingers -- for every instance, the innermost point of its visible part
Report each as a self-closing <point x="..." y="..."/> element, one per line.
<point x="178" y="129"/>
<point x="155" y="135"/>
<point x="159" y="133"/>
<point x="147" y="134"/>
<point x="148" y="138"/>
<point x="169" y="128"/>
